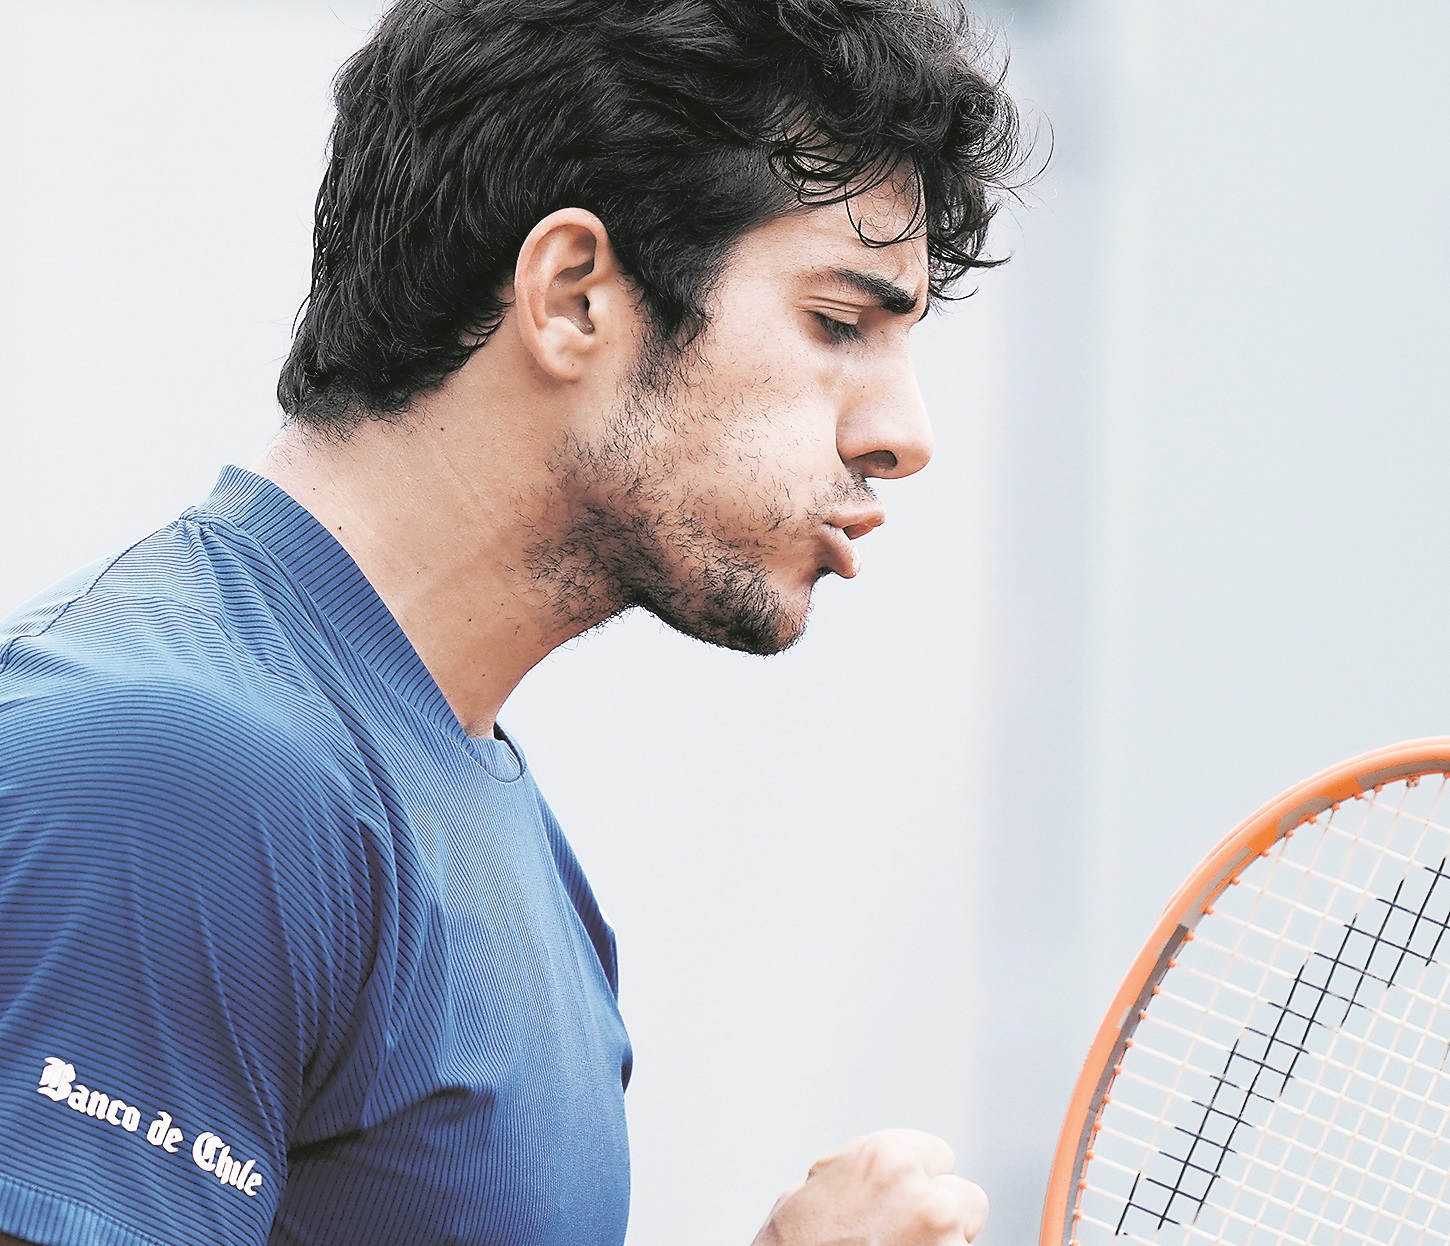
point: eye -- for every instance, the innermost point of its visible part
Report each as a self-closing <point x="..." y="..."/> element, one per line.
<point x="838" y="330"/>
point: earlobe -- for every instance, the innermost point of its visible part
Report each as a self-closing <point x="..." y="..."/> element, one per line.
<point x="568" y="293"/>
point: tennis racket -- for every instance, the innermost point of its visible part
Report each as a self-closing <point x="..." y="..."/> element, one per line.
<point x="1276" y="1066"/>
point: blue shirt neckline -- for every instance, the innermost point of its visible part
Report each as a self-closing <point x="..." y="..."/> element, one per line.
<point x="328" y="576"/>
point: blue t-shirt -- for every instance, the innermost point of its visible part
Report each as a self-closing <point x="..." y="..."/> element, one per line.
<point x="285" y="955"/>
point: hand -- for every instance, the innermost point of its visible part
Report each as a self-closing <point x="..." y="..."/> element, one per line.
<point x="894" y="1188"/>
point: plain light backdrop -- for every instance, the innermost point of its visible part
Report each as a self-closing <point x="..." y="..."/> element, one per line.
<point x="1183" y="543"/>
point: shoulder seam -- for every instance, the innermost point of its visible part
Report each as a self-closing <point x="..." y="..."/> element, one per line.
<point x="95" y="593"/>
<point x="65" y="606"/>
<point x="211" y="520"/>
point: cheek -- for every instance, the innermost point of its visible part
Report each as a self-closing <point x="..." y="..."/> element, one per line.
<point x="776" y="460"/>
<point x="773" y="360"/>
<point x="750" y="427"/>
<point x="763" y="490"/>
<point x="759" y="433"/>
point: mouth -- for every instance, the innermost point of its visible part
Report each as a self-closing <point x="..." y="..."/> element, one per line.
<point x="844" y="529"/>
<point x="841" y="556"/>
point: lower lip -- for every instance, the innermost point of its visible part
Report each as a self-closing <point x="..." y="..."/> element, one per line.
<point x="846" y="562"/>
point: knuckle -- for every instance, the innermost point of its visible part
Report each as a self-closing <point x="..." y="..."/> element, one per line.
<point x="938" y="1213"/>
<point x="891" y="1164"/>
<point x="874" y="1148"/>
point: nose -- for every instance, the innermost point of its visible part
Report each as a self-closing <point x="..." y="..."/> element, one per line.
<point x="886" y="433"/>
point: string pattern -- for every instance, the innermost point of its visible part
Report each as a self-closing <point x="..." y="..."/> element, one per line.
<point x="1260" y="1064"/>
<point x="1288" y="1080"/>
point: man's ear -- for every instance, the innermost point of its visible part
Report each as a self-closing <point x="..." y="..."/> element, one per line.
<point x="573" y="302"/>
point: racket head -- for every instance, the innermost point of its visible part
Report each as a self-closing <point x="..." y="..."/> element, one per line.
<point x="1074" y="1182"/>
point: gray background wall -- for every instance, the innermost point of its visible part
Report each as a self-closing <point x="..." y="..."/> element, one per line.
<point x="1182" y="543"/>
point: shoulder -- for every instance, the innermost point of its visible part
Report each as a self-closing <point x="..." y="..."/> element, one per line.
<point x="162" y="673"/>
<point x="190" y="595"/>
<point x="192" y="784"/>
<point x="168" y="805"/>
<point x="174" y="795"/>
<point x="153" y="719"/>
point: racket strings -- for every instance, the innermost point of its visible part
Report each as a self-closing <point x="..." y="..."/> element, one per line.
<point x="1397" y="1150"/>
<point x="1265" y="1086"/>
<point x="1343" y="1136"/>
<point x="1174" y="1198"/>
<point x="1129" y="1076"/>
<point x="1218" y="982"/>
<point x="1335" y="979"/>
<point x="1399" y="930"/>
<point x="1430" y="1135"/>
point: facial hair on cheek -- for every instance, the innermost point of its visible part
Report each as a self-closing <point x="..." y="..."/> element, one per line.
<point x="667" y="559"/>
<point x="632" y="543"/>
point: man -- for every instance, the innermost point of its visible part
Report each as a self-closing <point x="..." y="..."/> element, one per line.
<point x="610" y="308"/>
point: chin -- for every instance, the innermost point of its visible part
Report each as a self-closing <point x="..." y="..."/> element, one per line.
<point x="759" y="620"/>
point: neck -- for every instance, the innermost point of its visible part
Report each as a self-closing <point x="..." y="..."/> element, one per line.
<point x="459" y="533"/>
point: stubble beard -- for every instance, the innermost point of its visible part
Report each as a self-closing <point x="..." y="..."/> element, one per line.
<point x="629" y="543"/>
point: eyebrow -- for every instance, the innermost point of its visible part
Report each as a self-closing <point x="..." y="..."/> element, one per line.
<point x="888" y="295"/>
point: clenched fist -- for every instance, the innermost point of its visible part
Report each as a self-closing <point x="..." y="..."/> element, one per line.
<point x="894" y="1188"/>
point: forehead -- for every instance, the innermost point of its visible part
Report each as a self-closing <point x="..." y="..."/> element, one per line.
<point x="854" y="234"/>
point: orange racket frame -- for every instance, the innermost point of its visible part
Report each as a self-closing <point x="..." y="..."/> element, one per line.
<point x="1251" y="838"/>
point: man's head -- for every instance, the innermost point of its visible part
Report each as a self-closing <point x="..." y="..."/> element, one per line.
<point x="705" y="226"/>
<point x="717" y="489"/>
<point x="681" y="124"/>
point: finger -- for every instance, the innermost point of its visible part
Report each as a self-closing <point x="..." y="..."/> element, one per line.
<point x="970" y="1201"/>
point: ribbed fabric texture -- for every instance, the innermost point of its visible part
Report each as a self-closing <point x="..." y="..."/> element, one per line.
<point x="285" y="955"/>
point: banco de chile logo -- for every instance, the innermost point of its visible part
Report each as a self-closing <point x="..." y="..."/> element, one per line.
<point x="209" y="1152"/>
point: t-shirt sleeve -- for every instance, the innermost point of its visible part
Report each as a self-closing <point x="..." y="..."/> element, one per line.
<point x="181" y="926"/>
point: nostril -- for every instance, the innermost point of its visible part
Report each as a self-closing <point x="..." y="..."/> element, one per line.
<point x="880" y="463"/>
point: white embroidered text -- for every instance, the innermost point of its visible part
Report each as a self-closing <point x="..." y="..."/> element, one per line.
<point x="213" y="1155"/>
<point x="58" y="1082"/>
<point x="209" y="1152"/>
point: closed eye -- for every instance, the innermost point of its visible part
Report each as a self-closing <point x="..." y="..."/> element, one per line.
<point x="838" y="330"/>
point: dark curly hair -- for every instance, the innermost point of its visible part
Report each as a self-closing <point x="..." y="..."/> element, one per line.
<point x="679" y="123"/>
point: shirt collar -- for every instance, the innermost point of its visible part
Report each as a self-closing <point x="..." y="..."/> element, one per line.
<point x="332" y="583"/>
